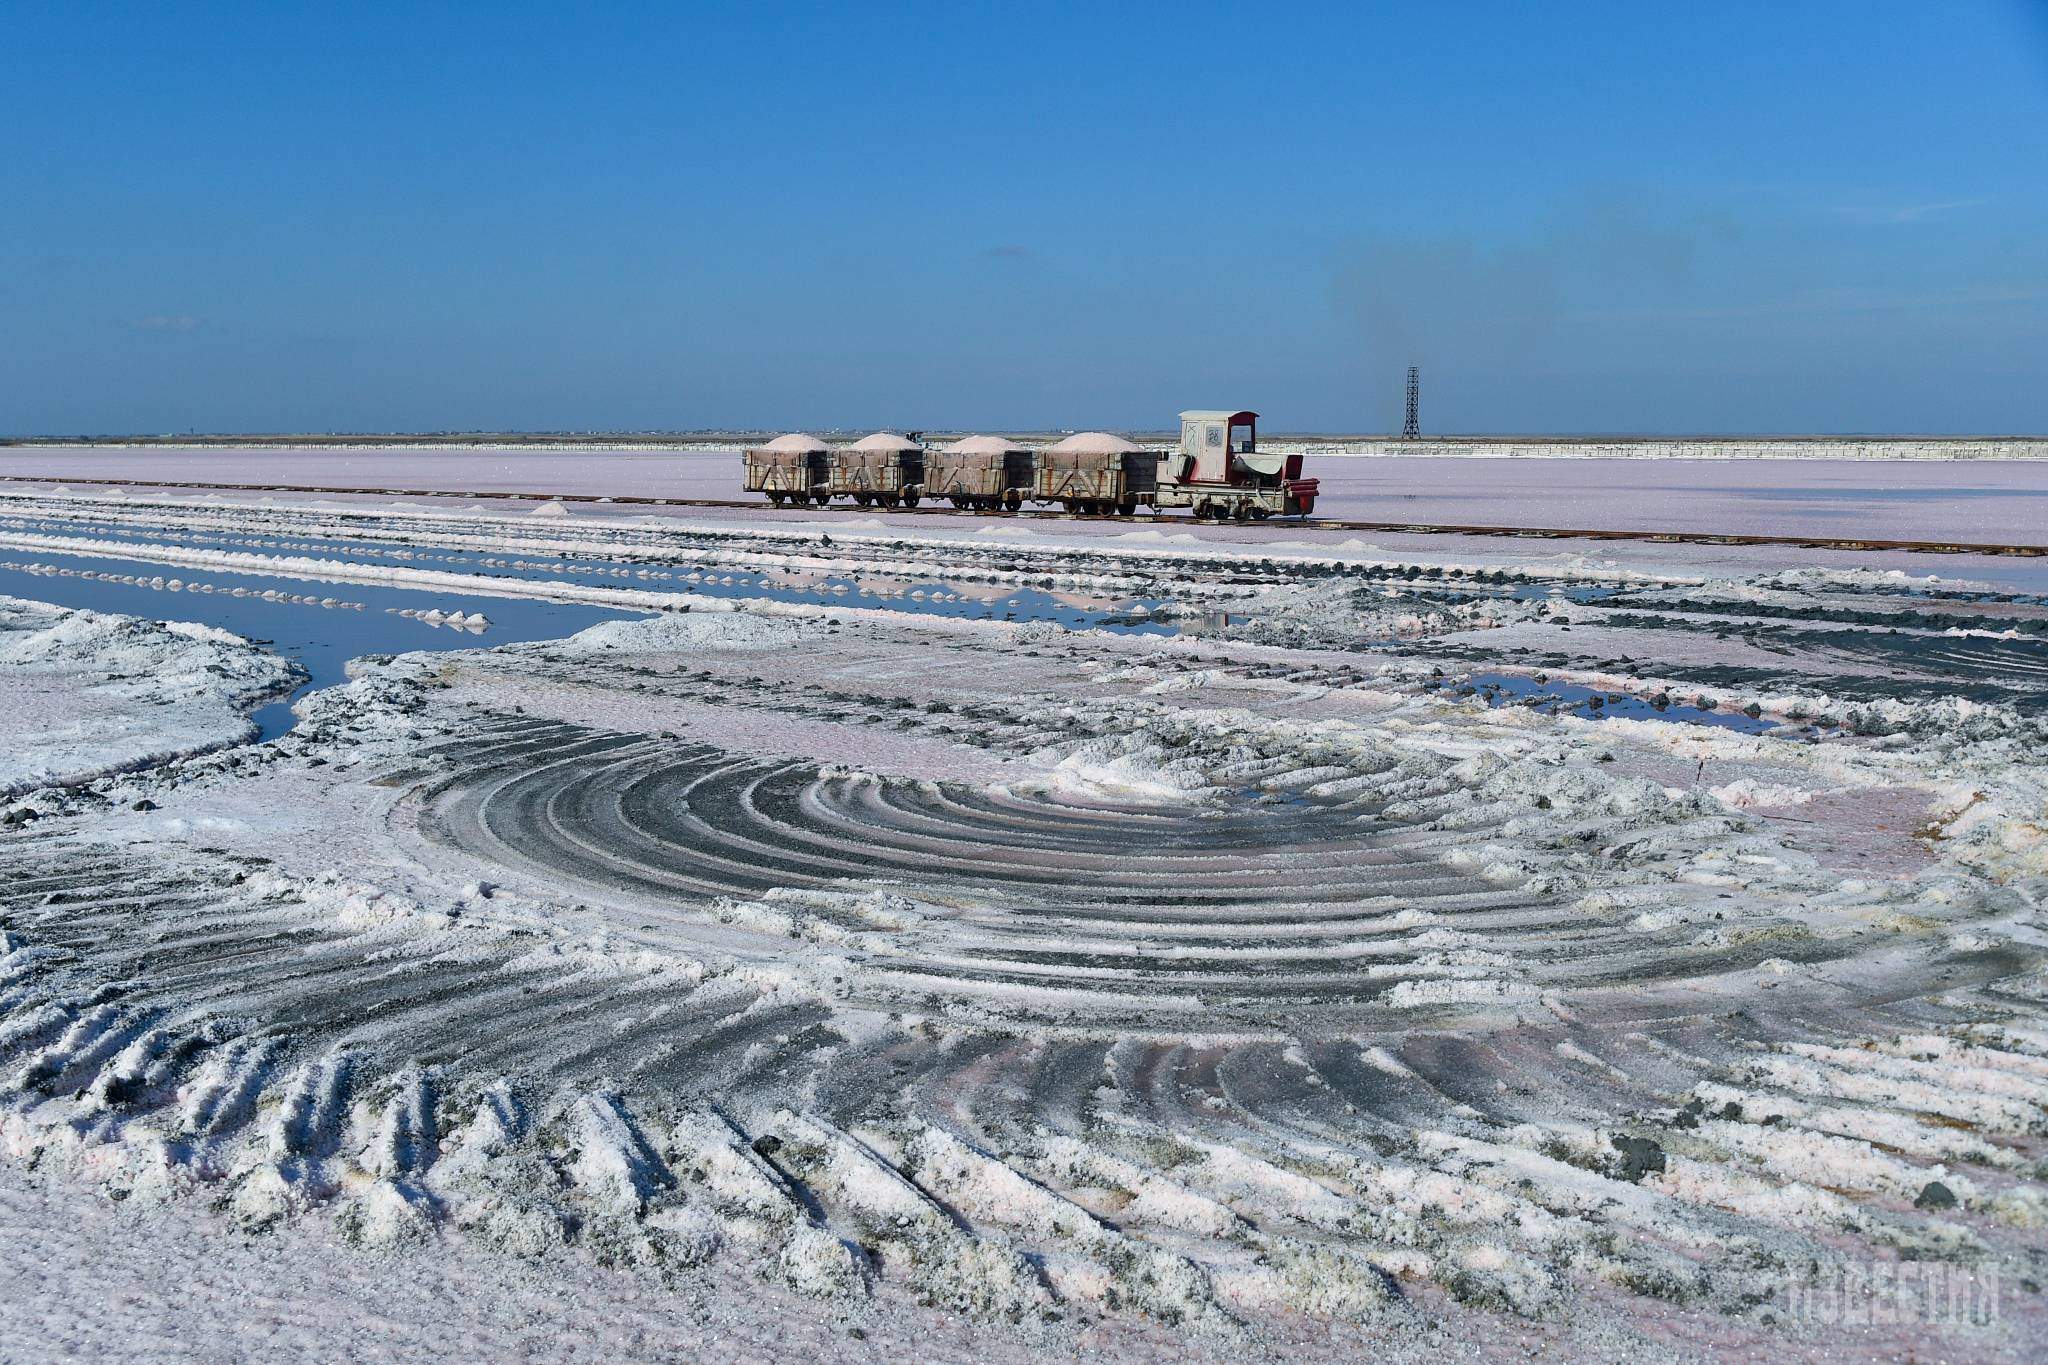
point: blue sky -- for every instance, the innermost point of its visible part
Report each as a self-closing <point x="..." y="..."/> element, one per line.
<point x="1595" y="217"/>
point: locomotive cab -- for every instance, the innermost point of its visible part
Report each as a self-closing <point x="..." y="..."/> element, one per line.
<point x="1211" y="442"/>
<point x="1220" y="471"/>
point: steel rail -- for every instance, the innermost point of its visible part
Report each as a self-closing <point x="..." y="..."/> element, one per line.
<point x="1864" y="543"/>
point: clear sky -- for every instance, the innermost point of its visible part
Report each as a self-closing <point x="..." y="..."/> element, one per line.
<point x="1583" y="217"/>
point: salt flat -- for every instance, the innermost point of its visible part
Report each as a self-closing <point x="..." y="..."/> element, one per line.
<point x="1209" y="947"/>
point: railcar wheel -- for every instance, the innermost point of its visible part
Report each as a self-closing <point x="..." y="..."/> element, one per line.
<point x="911" y="499"/>
<point x="775" y="499"/>
<point x="1013" y="500"/>
<point x="1243" y="511"/>
<point x="861" y="499"/>
<point x="1127" y="508"/>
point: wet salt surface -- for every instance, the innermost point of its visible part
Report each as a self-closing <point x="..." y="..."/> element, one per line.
<point x="850" y="589"/>
<point x="1552" y="698"/>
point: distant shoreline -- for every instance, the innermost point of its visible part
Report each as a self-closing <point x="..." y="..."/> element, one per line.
<point x="1952" y="448"/>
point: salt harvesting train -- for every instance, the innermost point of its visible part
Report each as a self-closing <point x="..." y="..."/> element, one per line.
<point x="1218" y="472"/>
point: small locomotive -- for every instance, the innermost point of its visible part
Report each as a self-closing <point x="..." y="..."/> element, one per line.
<point x="1218" y="472"/>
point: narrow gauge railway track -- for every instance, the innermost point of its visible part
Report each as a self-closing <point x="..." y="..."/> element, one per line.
<point x="1945" y="547"/>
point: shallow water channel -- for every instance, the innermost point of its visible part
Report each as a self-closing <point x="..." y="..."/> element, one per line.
<point x="323" y="624"/>
<point x="321" y="639"/>
<point x="900" y="589"/>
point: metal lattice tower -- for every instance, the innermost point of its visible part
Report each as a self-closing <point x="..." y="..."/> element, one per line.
<point x="1411" y="429"/>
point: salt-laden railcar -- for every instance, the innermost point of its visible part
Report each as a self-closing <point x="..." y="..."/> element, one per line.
<point x="884" y="469"/>
<point x="1097" y="473"/>
<point x="1219" y="472"/>
<point x="790" y="469"/>
<point x="984" y="473"/>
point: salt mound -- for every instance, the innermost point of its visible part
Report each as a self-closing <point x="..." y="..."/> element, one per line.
<point x="983" y="445"/>
<point x="887" y="442"/>
<point x="1093" y="443"/>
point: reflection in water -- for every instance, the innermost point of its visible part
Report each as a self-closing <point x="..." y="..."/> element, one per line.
<point x="322" y="633"/>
